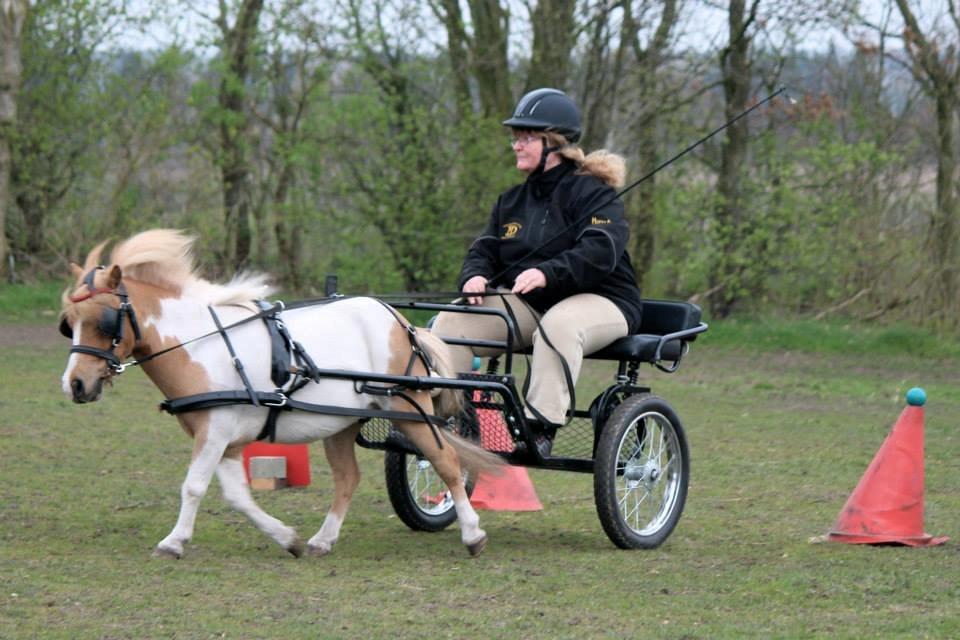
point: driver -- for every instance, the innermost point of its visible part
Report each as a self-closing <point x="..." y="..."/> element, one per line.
<point x="557" y="242"/>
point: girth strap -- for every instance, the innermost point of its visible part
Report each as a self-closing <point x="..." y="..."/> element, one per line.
<point x="282" y="346"/>
<point x="279" y="345"/>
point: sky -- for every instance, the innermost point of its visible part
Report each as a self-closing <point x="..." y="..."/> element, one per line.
<point x="704" y="29"/>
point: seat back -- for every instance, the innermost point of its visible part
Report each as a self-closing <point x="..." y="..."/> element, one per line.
<point x="661" y="317"/>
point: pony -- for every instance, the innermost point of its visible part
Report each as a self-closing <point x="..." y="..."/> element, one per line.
<point x="148" y="303"/>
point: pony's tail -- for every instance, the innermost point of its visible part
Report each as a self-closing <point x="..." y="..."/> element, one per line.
<point x="473" y="457"/>
<point x="449" y="402"/>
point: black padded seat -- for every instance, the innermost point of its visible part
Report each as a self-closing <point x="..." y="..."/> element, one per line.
<point x="641" y="346"/>
<point x="660" y="318"/>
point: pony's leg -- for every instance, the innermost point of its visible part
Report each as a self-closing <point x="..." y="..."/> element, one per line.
<point x="346" y="476"/>
<point x="446" y="462"/>
<point x="236" y="492"/>
<point x="206" y="454"/>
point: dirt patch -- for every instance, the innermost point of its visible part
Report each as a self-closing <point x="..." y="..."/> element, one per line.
<point x="30" y="335"/>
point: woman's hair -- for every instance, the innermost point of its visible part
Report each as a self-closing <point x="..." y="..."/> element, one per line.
<point x="605" y="166"/>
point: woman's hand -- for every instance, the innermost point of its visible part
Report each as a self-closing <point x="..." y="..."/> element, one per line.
<point x="476" y="284"/>
<point x="529" y="280"/>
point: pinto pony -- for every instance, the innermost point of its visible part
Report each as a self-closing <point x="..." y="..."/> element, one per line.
<point x="149" y="300"/>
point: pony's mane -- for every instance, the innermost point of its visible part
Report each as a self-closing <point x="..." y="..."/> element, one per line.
<point x="164" y="257"/>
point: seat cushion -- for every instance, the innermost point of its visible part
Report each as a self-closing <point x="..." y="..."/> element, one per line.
<point x="642" y="347"/>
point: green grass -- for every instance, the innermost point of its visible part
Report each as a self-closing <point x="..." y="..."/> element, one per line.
<point x="778" y="437"/>
<point x="28" y="302"/>
<point x="831" y="337"/>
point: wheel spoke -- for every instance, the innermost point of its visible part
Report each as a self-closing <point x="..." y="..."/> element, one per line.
<point x="427" y="490"/>
<point x="645" y="472"/>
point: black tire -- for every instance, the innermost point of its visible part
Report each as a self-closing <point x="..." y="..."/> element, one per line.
<point x="419" y="496"/>
<point x="641" y="472"/>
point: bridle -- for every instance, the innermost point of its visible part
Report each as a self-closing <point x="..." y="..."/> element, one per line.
<point x="111" y="322"/>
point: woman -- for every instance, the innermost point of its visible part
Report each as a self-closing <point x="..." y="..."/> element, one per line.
<point x="557" y="242"/>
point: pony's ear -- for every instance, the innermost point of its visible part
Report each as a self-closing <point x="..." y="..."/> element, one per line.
<point x="76" y="270"/>
<point x="113" y="280"/>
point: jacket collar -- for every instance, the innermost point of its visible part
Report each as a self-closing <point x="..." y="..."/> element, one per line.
<point x="543" y="183"/>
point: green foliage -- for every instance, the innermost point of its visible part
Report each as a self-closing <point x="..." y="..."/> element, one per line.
<point x="361" y="163"/>
<point x="822" y="223"/>
<point x="94" y="127"/>
<point x="413" y="177"/>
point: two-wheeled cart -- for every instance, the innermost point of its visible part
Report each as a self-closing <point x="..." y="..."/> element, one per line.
<point x="631" y="440"/>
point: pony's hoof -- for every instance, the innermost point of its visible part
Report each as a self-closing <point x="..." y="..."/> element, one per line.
<point x="295" y="548"/>
<point x="167" y="554"/>
<point x="476" y="548"/>
<point x="318" y="550"/>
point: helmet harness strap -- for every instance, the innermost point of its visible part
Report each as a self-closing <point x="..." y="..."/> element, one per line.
<point x="547" y="150"/>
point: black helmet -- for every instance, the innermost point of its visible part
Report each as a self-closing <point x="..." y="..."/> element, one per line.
<point x="547" y="110"/>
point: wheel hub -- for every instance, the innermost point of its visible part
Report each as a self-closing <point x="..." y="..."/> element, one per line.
<point x="648" y="473"/>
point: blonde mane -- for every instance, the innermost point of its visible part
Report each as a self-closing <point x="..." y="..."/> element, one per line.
<point x="164" y="257"/>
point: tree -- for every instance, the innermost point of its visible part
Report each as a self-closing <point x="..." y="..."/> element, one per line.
<point x="730" y="215"/>
<point x="293" y="78"/>
<point x="236" y="42"/>
<point x="656" y="97"/>
<point x="479" y="54"/>
<point x="935" y="65"/>
<point x="62" y="85"/>
<point x="416" y="179"/>
<point x="13" y="14"/>
<point x="554" y="36"/>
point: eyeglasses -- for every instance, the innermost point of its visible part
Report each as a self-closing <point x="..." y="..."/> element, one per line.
<point x="523" y="139"/>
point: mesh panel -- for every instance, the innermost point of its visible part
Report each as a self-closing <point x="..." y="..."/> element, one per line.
<point x="575" y="440"/>
<point x="483" y="418"/>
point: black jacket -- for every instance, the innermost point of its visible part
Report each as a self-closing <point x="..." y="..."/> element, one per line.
<point x="588" y="256"/>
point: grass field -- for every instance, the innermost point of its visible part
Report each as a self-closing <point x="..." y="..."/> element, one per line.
<point x="780" y="429"/>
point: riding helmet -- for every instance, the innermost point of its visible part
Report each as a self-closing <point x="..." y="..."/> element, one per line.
<point x="547" y="110"/>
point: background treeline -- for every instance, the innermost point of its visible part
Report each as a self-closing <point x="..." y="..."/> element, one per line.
<point x="362" y="137"/>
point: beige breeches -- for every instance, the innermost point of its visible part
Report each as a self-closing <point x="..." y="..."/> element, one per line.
<point x="578" y="325"/>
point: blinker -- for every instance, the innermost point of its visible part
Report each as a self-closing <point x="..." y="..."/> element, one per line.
<point x="65" y="329"/>
<point x="109" y="324"/>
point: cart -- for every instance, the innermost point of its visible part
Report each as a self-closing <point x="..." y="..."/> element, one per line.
<point x="630" y="439"/>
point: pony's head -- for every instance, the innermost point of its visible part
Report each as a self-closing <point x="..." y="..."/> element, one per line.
<point x="103" y="327"/>
<point x="98" y="315"/>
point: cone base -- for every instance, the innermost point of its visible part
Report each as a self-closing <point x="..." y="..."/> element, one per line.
<point x="925" y="540"/>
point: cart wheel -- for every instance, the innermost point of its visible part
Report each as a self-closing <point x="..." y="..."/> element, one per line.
<point x="641" y="472"/>
<point x="419" y="496"/>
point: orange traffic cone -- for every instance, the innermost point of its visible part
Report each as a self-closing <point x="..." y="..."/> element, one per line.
<point x="510" y="490"/>
<point x="297" y="455"/>
<point x="887" y="505"/>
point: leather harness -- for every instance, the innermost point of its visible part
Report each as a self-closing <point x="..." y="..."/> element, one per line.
<point x="287" y="358"/>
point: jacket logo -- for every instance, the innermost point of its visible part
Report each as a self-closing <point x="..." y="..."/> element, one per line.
<point x="596" y="220"/>
<point x="510" y="230"/>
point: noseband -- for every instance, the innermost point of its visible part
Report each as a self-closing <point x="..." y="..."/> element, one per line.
<point x="111" y="322"/>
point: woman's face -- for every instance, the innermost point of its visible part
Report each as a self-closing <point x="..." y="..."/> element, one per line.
<point x="527" y="145"/>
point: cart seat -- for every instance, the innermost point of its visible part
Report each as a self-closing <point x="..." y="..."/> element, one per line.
<point x="660" y="318"/>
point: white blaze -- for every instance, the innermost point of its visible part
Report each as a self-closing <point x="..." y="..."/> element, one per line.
<point x="71" y="361"/>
